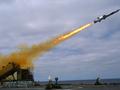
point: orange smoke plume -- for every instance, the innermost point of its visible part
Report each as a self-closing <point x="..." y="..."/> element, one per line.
<point x="25" y="57"/>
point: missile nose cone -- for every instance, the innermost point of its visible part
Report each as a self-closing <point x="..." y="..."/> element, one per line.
<point x="118" y="10"/>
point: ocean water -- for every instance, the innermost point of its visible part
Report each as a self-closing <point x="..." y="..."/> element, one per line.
<point x="106" y="81"/>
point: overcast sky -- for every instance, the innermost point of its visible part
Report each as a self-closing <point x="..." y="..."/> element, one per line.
<point x="91" y="53"/>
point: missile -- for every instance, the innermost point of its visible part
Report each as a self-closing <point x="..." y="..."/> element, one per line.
<point x="103" y="17"/>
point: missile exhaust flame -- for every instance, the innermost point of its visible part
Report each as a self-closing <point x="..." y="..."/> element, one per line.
<point x="70" y="34"/>
<point x="25" y="56"/>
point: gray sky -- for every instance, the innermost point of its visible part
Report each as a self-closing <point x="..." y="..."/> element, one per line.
<point x="91" y="53"/>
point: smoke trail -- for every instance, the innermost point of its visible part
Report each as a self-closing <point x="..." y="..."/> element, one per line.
<point x="25" y="56"/>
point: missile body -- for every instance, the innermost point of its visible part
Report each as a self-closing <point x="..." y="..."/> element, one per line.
<point x="99" y="19"/>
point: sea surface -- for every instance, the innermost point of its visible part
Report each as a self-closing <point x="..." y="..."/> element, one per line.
<point x="104" y="81"/>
